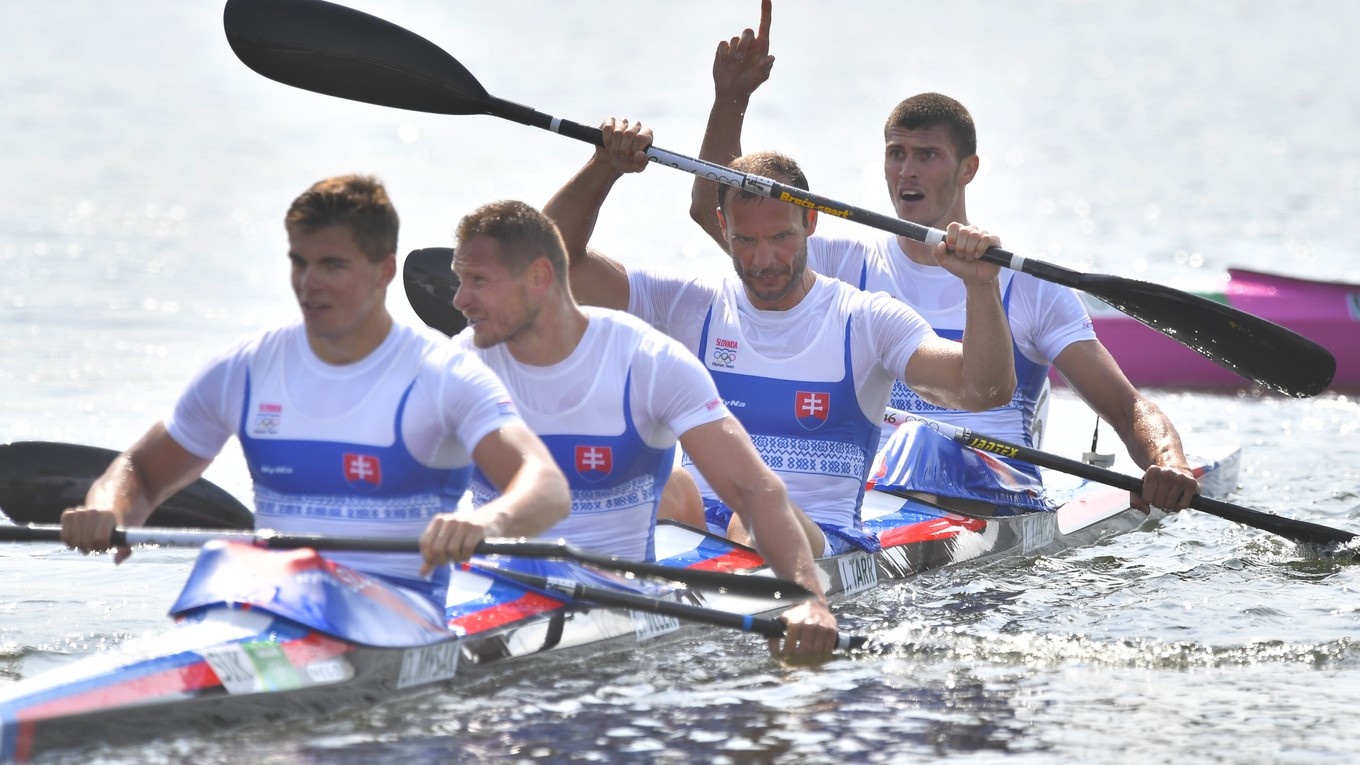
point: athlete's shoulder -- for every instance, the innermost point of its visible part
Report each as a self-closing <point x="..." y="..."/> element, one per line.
<point x="615" y="321"/>
<point x="272" y="339"/>
<point x="419" y="335"/>
<point x="623" y="327"/>
<point x="669" y="277"/>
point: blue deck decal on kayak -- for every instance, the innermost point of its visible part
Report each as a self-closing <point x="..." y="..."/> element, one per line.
<point x="303" y="586"/>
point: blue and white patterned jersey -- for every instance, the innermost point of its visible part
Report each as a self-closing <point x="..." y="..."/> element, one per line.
<point x="809" y="384"/>
<point x="372" y="449"/>
<point x="610" y="413"/>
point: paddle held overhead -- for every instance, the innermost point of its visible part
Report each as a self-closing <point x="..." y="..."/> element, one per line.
<point x="338" y="51"/>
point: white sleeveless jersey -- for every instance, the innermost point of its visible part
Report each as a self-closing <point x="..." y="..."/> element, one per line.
<point x="809" y="384"/>
<point x="370" y="450"/>
<point x="610" y="413"/>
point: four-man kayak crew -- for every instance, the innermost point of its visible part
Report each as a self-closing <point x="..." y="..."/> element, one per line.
<point x="930" y="157"/>
<point x="610" y="396"/>
<point x="352" y="424"/>
<point x="805" y="362"/>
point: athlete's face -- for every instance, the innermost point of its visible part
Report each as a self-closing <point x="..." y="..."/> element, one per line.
<point x="495" y="300"/>
<point x="925" y="175"/>
<point x="767" y="240"/>
<point x="339" y="290"/>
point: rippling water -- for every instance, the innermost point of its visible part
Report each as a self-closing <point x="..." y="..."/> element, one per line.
<point x="148" y="170"/>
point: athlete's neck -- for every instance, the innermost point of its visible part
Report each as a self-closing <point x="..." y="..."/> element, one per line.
<point x="552" y="335"/>
<point x="923" y="254"/>
<point x="352" y="347"/>
<point x="788" y="301"/>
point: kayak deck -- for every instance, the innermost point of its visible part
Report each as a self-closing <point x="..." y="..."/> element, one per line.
<point x="227" y="666"/>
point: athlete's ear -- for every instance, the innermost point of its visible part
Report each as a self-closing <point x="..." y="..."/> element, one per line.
<point x="970" y="168"/>
<point x="387" y="270"/>
<point x="540" y="273"/>
<point x="811" y="218"/>
<point x="722" y="223"/>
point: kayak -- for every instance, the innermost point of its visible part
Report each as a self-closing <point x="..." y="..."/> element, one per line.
<point x="1323" y="311"/>
<point x="264" y="635"/>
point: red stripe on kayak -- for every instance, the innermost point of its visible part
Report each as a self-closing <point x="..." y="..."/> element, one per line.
<point x="182" y="680"/>
<point x="314" y="647"/>
<point x="23" y="745"/>
<point x="193" y="677"/>
<point x="530" y="604"/>
<point x="733" y="560"/>
<point x="926" y="531"/>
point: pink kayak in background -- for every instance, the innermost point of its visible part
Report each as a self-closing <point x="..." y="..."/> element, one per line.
<point x="1326" y="312"/>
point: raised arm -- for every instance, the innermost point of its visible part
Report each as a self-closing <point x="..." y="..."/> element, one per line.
<point x="534" y="497"/>
<point x="139" y="480"/>
<point x="1147" y="433"/>
<point x="979" y="373"/>
<point x="575" y="208"/>
<point x="723" y="453"/>
<point x="740" y="66"/>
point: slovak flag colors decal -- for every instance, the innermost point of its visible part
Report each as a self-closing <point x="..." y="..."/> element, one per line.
<point x="363" y="471"/>
<point x="594" y="463"/>
<point x="811" y="408"/>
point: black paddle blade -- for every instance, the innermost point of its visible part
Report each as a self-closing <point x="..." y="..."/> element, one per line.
<point x="430" y="287"/>
<point x="338" y="51"/>
<point x="40" y="479"/>
<point x="1259" y="350"/>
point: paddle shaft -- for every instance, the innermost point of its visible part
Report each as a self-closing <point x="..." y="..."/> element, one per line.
<point x="338" y="51"/>
<point x="1296" y="530"/>
<point x="756" y="586"/>
<point x="619" y="599"/>
<point x="438" y="314"/>
<point x="1250" y="346"/>
<point x="768" y="187"/>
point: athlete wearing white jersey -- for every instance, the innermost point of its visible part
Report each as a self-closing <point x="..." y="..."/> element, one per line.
<point x="611" y="413"/>
<point x="351" y="424"/>
<point x="1044" y="319"/>
<point x="929" y="158"/>
<point x="611" y="396"/>
<point x="370" y="450"/>
<point x="839" y="349"/>
<point x="805" y="362"/>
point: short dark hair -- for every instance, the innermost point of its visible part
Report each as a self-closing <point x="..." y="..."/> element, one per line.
<point x="926" y="110"/>
<point x="358" y="202"/>
<point x="524" y="234"/>
<point x="767" y="164"/>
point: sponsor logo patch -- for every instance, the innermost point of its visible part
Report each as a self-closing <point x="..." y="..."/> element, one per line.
<point x="252" y="667"/>
<point x="724" y="355"/>
<point x="267" y="419"/>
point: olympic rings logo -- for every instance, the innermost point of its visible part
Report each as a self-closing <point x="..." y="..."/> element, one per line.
<point x="724" y="356"/>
